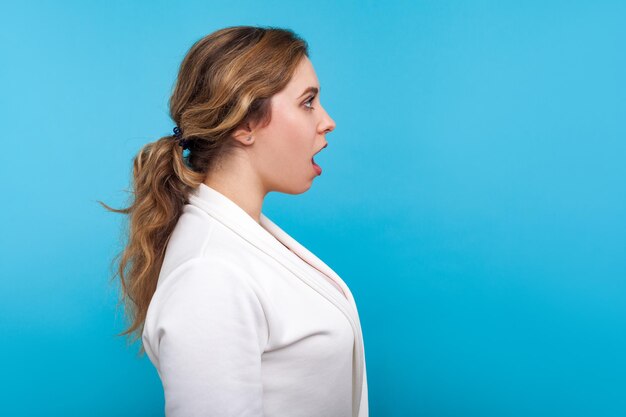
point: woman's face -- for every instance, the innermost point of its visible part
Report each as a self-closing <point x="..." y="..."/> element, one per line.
<point x="283" y="150"/>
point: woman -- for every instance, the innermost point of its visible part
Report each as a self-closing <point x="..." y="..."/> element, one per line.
<point x="237" y="317"/>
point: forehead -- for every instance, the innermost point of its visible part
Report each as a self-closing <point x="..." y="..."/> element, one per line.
<point x="304" y="76"/>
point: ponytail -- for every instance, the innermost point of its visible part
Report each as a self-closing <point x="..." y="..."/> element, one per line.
<point x="161" y="183"/>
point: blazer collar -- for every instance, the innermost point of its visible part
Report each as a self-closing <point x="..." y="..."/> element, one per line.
<point x="270" y="238"/>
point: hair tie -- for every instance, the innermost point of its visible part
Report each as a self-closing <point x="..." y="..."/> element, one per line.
<point x="184" y="143"/>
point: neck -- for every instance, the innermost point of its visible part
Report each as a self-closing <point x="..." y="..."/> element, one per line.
<point x="239" y="183"/>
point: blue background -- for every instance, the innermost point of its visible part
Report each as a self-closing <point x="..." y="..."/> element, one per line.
<point x="473" y="196"/>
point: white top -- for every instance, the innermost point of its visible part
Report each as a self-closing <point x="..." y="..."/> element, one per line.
<point x="245" y="321"/>
<point x="314" y="271"/>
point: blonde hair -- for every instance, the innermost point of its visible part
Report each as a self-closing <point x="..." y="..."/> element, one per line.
<point x="226" y="79"/>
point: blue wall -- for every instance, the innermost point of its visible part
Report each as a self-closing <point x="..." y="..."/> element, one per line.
<point x="473" y="196"/>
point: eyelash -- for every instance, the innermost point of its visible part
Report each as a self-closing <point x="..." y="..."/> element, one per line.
<point x="310" y="100"/>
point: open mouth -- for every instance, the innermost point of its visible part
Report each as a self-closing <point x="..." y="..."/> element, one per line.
<point x="316" y="167"/>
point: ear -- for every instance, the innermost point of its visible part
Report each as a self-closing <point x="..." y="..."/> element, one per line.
<point x="243" y="134"/>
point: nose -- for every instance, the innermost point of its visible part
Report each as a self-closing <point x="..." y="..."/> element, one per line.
<point x="327" y="124"/>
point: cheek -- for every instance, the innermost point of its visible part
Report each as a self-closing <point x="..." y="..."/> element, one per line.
<point x="294" y="137"/>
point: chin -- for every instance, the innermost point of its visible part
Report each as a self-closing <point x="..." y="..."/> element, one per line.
<point x="296" y="188"/>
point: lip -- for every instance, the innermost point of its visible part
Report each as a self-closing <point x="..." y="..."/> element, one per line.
<point x="320" y="149"/>
<point x="316" y="167"/>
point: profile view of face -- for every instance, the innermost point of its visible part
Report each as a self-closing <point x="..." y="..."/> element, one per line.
<point x="283" y="150"/>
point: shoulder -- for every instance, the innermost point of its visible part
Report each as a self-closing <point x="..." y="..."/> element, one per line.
<point x="202" y="299"/>
<point x="199" y="235"/>
<point x="205" y="265"/>
<point x="202" y="277"/>
<point x="190" y="236"/>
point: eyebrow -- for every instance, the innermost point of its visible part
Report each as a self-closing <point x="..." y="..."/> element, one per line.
<point x="314" y="90"/>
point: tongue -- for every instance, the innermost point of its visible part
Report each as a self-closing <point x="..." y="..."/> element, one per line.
<point x="317" y="168"/>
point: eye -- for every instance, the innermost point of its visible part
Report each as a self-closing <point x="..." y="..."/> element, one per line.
<point x="309" y="102"/>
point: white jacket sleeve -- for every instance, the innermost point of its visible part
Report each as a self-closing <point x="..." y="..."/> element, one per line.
<point x="205" y="334"/>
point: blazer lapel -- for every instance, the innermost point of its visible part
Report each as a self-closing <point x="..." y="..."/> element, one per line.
<point x="306" y="256"/>
<point x="270" y="238"/>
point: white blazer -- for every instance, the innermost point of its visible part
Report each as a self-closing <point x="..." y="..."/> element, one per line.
<point x="245" y="321"/>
